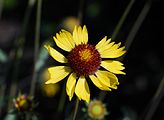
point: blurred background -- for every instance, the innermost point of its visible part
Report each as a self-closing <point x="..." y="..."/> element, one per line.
<point x="142" y="26"/>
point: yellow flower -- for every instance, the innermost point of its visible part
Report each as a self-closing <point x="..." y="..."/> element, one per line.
<point x="50" y="90"/>
<point x="24" y="103"/>
<point x="83" y="61"/>
<point x="97" y="110"/>
<point x="69" y="23"/>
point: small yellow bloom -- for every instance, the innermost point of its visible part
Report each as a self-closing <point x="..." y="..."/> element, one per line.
<point x="83" y="61"/>
<point x="24" y="103"/>
<point x="97" y="110"/>
<point x="50" y="90"/>
<point x="69" y="23"/>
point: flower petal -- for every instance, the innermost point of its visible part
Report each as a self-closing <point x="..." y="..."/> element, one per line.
<point x="101" y="43"/>
<point x="103" y="78"/>
<point x="64" y="40"/>
<point x="82" y="89"/>
<point x="69" y="36"/>
<point x="80" y="35"/>
<point x="107" y="79"/>
<point x="113" y="66"/>
<point x="55" y="54"/>
<point x="57" y="73"/>
<point x="113" y="79"/>
<point x="98" y="83"/>
<point x="85" y="35"/>
<point x="113" y="51"/>
<point x="70" y="86"/>
<point x="109" y="50"/>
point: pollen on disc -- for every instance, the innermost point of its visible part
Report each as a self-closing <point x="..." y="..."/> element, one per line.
<point x="84" y="59"/>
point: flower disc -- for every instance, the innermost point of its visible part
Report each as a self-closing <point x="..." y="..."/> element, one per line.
<point x="84" y="59"/>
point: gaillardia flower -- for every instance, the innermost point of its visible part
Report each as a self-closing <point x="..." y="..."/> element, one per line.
<point x="23" y="103"/>
<point x="85" y="61"/>
<point x="97" y="110"/>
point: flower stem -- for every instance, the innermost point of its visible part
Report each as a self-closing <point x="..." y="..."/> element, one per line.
<point x="76" y="109"/>
<point x="152" y="106"/>
<point x="131" y="35"/>
<point x="137" y="24"/>
<point x="62" y="100"/>
<point x="1" y="7"/>
<point x="122" y="19"/>
<point x="18" y="51"/>
<point x="81" y="11"/>
<point x="36" y="46"/>
<point x="80" y="17"/>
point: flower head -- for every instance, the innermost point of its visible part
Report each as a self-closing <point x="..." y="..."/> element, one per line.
<point x="97" y="110"/>
<point x="83" y="61"/>
<point x="24" y="103"/>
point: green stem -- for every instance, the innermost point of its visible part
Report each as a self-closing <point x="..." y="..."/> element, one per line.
<point x="76" y="109"/>
<point x="138" y="24"/>
<point x="36" y="46"/>
<point x="81" y="11"/>
<point x="132" y="34"/>
<point x="62" y="100"/>
<point x="80" y="17"/>
<point x="152" y="106"/>
<point x="1" y="8"/>
<point x="122" y="19"/>
<point x="19" y="46"/>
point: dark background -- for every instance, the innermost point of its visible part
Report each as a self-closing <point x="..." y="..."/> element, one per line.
<point x="143" y="61"/>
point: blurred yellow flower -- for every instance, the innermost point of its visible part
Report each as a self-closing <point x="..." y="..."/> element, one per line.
<point x="50" y="90"/>
<point x="23" y="103"/>
<point x="83" y="61"/>
<point x="97" y="110"/>
<point x="69" y="23"/>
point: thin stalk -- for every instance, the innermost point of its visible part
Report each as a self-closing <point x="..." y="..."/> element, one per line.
<point x="138" y="24"/>
<point x="19" y="48"/>
<point x="76" y="109"/>
<point x="1" y="8"/>
<point x="122" y="19"/>
<point x="36" y="46"/>
<point x="81" y="11"/>
<point x="132" y="34"/>
<point x="62" y="100"/>
<point x="80" y="17"/>
<point x="152" y="106"/>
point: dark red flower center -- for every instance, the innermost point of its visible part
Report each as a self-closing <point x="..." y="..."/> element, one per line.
<point x="84" y="59"/>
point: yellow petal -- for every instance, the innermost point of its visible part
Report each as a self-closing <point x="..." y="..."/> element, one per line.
<point x="57" y="73"/>
<point x="103" y="78"/>
<point x="113" y="66"/>
<point x="84" y="35"/>
<point x="113" y="79"/>
<point x="112" y="51"/>
<point x="101" y="43"/>
<point x="55" y="54"/>
<point x="105" y="47"/>
<point x="107" y="79"/>
<point x="69" y="36"/>
<point x="64" y="41"/>
<point x="80" y="35"/>
<point x="82" y="89"/>
<point x="70" y="86"/>
<point x="98" y="83"/>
